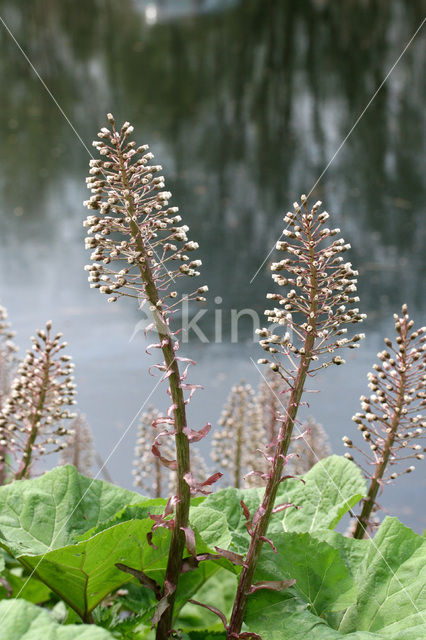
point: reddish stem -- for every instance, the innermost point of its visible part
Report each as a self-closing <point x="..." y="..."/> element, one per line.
<point x="286" y="430"/>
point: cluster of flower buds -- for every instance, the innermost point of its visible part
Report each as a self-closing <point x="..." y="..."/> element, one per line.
<point x="240" y="434"/>
<point x="133" y="228"/>
<point x="31" y="419"/>
<point x="391" y="421"/>
<point x="7" y="353"/>
<point x="79" y="450"/>
<point x="321" y="293"/>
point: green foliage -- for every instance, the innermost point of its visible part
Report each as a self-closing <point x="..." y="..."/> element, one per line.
<point x="345" y="588"/>
<point x="217" y="591"/>
<point x="22" y="620"/>
<point x="72" y="530"/>
<point x="331" y="488"/>
<point x="21" y="585"/>
<point x="16" y="582"/>
<point x="51" y="511"/>
<point x="41" y="519"/>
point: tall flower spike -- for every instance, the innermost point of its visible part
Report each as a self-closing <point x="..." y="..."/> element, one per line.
<point x="308" y="448"/>
<point x="129" y="199"/>
<point x="239" y="435"/>
<point x="31" y="419"/>
<point x="313" y="314"/>
<point x="79" y="451"/>
<point x="391" y="422"/>
<point x="134" y="237"/>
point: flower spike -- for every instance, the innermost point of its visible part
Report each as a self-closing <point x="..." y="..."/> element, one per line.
<point x="391" y="422"/>
<point x="32" y="415"/>
<point x="305" y="330"/>
<point x="139" y="250"/>
<point x="241" y="432"/>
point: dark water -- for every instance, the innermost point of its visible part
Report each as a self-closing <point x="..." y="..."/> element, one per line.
<point x="244" y="104"/>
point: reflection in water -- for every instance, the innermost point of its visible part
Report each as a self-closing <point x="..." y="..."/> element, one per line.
<point x="244" y="103"/>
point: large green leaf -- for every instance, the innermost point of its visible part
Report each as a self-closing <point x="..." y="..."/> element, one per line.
<point x="346" y="588"/>
<point x="21" y="620"/>
<point x="391" y="585"/>
<point x="53" y="510"/>
<point x="323" y="580"/>
<point x="277" y="617"/>
<point x="41" y="519"/>
<point x="71" y="531"/>
<point x="331" y="488"/>
<point x="83" y="574"/>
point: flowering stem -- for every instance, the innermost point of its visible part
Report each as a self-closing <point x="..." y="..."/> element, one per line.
<point x="177" y="543"/>
<point x="286" y="429"/>
<point x="28" y="450"/>
<point x="376" y="481"/>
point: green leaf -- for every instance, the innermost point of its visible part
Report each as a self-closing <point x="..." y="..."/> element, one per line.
<point x="331" y="488"/>
<point x="27" y="588"/>
<point x="345" y="588"/>
<point x="41" y="518"/>
<point x="129" y="627"/>
<point x="211" y="525"/>
<point x="276" y="617"/>
<point x="51" y="511"/>
<point x="71" y="531"/>
<point x="140" y="602"/>
<point x="84" y="573"/>
<point x="218" y="591"/>
<point x="21" y="620"/>
<point x="392" y="585"/>
<point x="138" y="511"/>
<point x="323" y="580"/>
